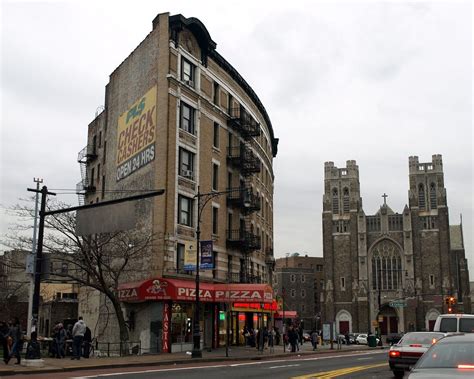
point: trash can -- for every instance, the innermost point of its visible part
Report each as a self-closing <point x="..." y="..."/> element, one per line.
<point x="371" y="341"/>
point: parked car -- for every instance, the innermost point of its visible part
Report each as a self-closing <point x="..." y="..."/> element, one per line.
<point x="362" y="339"/>
<point x="409" y="349"/>
<point x="450" y="357"/>
<point x="393" y="338"/>
<point x="454" y="323"/>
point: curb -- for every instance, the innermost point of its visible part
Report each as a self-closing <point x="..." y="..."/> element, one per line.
<point x="170" y="362"/>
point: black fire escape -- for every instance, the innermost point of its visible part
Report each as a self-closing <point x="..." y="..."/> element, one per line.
<point x="242" y="158"/>
<point x="85" y="186"/>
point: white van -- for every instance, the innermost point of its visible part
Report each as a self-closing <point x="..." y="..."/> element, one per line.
<point x="454" y="323"/>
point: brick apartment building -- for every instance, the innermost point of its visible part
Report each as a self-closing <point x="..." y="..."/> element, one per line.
<point x="179" y="117"/>
<point x="391" y="271"/>
<point x="299" y="280"/>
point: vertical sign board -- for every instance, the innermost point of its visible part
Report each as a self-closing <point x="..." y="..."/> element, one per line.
<point x="136" y="135"/>
<point x="190" y="256"/>
<point x="206" y="255"/>
<point x="166" y="327"/>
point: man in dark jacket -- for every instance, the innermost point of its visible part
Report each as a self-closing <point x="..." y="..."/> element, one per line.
<point x="15" y="334"/>
<point x="293" y="338"/>
<point x="87" y="343"/>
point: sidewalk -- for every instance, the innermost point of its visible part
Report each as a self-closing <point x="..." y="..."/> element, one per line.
<point x="235" y="354"/>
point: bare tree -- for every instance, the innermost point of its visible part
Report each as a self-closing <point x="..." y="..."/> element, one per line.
<point x="100" y="261"/>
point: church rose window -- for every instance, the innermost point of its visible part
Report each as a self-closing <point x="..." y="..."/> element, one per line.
<point x="386" y="266"/>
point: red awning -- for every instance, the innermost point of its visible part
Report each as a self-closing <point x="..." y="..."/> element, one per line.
<point x="185" y="290"/>
<point x="288" y="314"/>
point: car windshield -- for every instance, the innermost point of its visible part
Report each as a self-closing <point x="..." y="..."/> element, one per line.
<point x="447" y="355"/>
<point x="420" y="338"/>
<point x="466" y="325"/>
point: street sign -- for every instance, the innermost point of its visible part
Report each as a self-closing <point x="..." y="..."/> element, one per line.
<point x="398" y="303"/>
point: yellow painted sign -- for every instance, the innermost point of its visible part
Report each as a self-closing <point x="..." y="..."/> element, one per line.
<point x="136" y="135"/>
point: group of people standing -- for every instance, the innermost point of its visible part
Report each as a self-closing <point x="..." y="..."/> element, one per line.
<point x="80" y="335"/>
<point x="261" y="338"/>
<point x="11" y="339"/>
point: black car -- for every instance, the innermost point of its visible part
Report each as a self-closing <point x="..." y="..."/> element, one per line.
<point x="409" y="349"/>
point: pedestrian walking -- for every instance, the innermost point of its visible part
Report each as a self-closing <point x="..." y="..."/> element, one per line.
<point x="293" y="338"/>
<point x="271" y="339"/>
<point x="60" y="340"/>
<point x="15" y="334"/>
<point x="314" y="339"/>
<point x="78" y="332"/>
<point x="87" y="343"/>
<point x="4" y="339"/>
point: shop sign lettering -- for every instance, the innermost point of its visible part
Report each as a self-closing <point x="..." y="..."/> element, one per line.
<point x="238" y="295"/>
<point x="191" y="292"/>
<point x="127" y="293"/>
<point x="166" y="327"/>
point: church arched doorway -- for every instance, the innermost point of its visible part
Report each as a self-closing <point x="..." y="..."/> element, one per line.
<point x="387" y="320"/>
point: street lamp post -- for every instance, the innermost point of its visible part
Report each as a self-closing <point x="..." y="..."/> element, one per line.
<point x="202" y="200"/>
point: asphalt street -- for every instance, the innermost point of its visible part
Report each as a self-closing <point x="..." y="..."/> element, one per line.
<point x="355" y="365"/>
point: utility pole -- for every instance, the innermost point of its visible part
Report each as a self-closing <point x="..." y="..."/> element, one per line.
<point x="33" y="256"/>
<point x="39" y="256"/>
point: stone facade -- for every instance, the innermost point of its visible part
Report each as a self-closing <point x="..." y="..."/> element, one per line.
<point x="202" y="109"/>
<point x="391" y="272"/>
<point x="299" y="282"/>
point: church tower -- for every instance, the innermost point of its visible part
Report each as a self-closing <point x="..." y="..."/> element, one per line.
<point x="341" y="204"/>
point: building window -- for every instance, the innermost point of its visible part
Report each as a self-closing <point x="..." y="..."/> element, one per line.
<point x="215" y="140"/>
<point x="229" y="264"/>
<point x="215" y="220"/>
<point x="303" y="278"/>
<point x="303" y="293"/>
<point x="215" y="272"/>
<point x="215" y="99"/>
<point x="292" y="278"/>
<point x="104" y="152"/>
<point x="386" y="266"/>
<point x="185" y="210"/>
<point x="94" y="145"/>
<point x="186" y="163"/>
<point x="180" y="257"/>
<point x="321" y="284"/>
<point x="345" y="200"/>
<point x="229" y="104"/>
<point x="187" y="118"/>
<point x="293" y="293"/>
<point x="303" y="308"/>
<point x="187" y="72"/>
<point x="335" y="201"/>
<point x="215" y="176"/>
<point x="433" y="200"/>
<point x="432" y="283"/>
<point x="343" y="284"/>
<point x="421" y="197"/>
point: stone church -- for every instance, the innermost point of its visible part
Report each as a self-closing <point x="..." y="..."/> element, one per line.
<point x="391" y="272"/>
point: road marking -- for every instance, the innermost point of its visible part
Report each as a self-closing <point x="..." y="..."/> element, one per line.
<point x="283" y="366"/>
<point x="363" y="359"/>
<point x="291" y="358"/>
<point x="339" y="372"/>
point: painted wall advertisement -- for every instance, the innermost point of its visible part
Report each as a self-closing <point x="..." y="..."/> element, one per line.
<point x="136" y="135"/>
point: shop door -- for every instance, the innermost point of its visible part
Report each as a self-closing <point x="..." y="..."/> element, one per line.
<point x="156" y="330"/>
<point x="393" y="324"/>
<point x="383" y="326"/>
<point x="343" y="327"/>
<point x="431" y="324"/>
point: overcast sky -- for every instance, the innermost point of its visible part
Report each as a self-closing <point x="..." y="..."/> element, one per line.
<point x="374" y="82"/>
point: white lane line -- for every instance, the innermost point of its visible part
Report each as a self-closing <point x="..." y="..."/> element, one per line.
<point x="283" y="366"/>
<point x="363" y="359"/>
<point x="290" y="358"/>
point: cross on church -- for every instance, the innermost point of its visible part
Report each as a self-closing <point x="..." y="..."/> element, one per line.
<point x="384" y="198"/>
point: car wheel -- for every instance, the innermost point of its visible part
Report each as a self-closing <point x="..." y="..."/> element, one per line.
<point x="398" y="373"/>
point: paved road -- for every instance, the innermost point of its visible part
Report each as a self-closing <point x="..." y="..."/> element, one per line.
<point x="354" y="365"/>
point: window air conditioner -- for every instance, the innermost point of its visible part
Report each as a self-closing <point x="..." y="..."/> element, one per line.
<point x="187" y="174"/>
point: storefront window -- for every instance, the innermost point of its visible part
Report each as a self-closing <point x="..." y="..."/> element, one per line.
<point x="181" y="323"/>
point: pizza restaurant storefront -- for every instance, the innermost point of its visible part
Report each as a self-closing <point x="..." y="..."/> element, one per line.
<point x="239" y="305"/>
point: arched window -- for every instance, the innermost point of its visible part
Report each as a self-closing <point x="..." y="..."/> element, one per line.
<point x="386" y="266"/>
<point x="433" y="200"/>
<point x="335" y="201"/>
<point x="421" y="197"/>
<point x="345" y="199"/>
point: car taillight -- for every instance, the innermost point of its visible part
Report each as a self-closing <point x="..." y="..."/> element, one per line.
<point x="416" y="345"/>
<point x="466" y="366"/>
<point x="394" y="354"/>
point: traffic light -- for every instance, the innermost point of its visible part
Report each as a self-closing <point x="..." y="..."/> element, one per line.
<point x="450" y="302"/>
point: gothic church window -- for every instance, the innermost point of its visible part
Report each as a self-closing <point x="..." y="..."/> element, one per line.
<point x="346" y="199"/>
<point x="421" y="197"/>
<point x="386" y="266"/>
<point x="433" y="200"/>
<point x="335" y="201"/>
